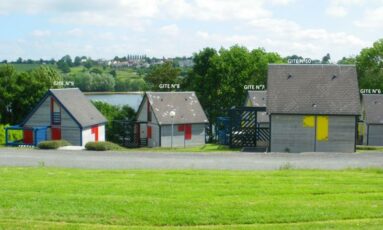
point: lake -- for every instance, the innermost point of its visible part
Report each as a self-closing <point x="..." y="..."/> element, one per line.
<point x="120" y="99"/>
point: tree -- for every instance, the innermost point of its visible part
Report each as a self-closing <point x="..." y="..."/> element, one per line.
<point x="219" y="78"/>
<point x="21" y="91"/>
<point x="162" y="74"/>
<point x="347" y="60"/>
<point x="65" y="63"/>
<point x="369" y="65"/>
<point x="326" y="59"/>
<point x="77" y="61"/>
<point x="114" y="113"/>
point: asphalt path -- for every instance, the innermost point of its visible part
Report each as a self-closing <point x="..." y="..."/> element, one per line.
<point x="220" y="161"/>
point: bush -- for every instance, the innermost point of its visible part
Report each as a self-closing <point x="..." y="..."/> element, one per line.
<point x="102" y="146"/>
<point x="52" y="144"/>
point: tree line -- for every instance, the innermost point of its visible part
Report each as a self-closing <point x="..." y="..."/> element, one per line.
<point x="217" y="76"/>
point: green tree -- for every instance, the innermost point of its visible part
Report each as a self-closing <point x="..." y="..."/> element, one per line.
<point x="219" y="78"/>
<point x="347" y="60"/>
<point x="162" y="74"/>
<point x="21" y="91"/>
<point x="65" y="63"/>
<point x="369" y="65"/>
<point x="326" y="59"/>
<point x="77" y="61"/>
<point x="114" y="113"/>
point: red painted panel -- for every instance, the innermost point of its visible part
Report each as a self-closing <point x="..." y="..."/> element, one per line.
<point x="28" y="136"/>
<point x="95" y="132"/>
<point x="181" y="128"/>
<point x="188" y="132"/>
<point x="149" y="132"/>
<point x="56" y="133"/>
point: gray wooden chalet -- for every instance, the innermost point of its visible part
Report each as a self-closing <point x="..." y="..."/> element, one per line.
<point x="373" y="119"/>
<point x="313" y="108"/>
<point x="67" y="114"/>
<point x="258" y="99"/>
<point x="189" y="122"/>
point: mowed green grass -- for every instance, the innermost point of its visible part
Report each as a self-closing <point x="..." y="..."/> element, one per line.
<point x="49" y="198"/>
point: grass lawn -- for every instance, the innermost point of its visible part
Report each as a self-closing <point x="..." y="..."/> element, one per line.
<point x="368" y="148"/>
<point x="49" y="198"/>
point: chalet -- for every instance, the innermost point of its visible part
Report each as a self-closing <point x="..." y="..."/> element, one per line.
<point x="258" y="99"/>
<point x="373" y="119"/>
<point x="313" y="108"/>
<point x="63" y="114"/>
<point x="171" y="119"/>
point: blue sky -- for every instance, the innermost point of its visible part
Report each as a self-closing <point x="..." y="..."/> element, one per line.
<point x="104" y="29"/>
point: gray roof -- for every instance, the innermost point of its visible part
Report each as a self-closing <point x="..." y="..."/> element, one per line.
<point x="81" y="109"/>
<point x="373" y="108"/>
<point x="313" y="89"/>
<point x="258" y="99"/>
<point x="185" y="104"/>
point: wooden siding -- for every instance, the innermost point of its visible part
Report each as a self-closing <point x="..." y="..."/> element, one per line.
<point x="197" y="138"/>
<point x="294" y="133"/>
<point x="42" y="116"/>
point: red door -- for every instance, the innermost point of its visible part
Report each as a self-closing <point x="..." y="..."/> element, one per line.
<point x="56" y="133"/>
<point x="28" y="136"/>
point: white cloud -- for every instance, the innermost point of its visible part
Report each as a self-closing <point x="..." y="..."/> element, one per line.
<point x="340" y="8"/>
<point x="171" y="30"/>
<point x="41" y="33"/>
<point x="372" y="19"/>
<point x="336" y="11"/>
<point x="75" y="32"/>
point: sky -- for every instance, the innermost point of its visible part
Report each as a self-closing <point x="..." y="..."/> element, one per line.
<point x="168" y="28"/>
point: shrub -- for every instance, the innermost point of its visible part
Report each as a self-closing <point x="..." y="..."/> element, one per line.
<point x="102" y="146"/>
<point x="53" y="144"/>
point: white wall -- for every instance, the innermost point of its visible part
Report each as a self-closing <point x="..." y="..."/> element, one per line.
<point x="88" y="136"/>
<point x="198" y="136"/>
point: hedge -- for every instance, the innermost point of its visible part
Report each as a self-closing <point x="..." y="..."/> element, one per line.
<point x="53" y="144"/>
<point x="102" y="146"/>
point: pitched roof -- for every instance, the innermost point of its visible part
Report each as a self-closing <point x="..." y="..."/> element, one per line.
<point x="313" y="89"/>
<point x="79" y="107"/>
<point x="258" y="99"/>
<point x="373" y="108"/>
<point x="185" y="104"/>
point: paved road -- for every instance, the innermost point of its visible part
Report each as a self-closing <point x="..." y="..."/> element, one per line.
<point x="141" y="160"/>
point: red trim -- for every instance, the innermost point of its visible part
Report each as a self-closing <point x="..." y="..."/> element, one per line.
<point x="95" y="132"/>
<point x="149" y="132"/>
<point x="56" y="133"/>
<point x="188" y="131"/>
<point x="181" y="128"/>
<point x="52" y="103"/>
<point x="28" y="136"/>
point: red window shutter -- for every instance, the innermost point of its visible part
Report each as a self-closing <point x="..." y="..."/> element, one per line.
<point x="56" y="133"/>
<point x="181" y="128"/>
<point x="188" y="132"/>
<point x="28" y="136"/>
<point x="149" y="132"/>
<point x="95" y="132"/>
